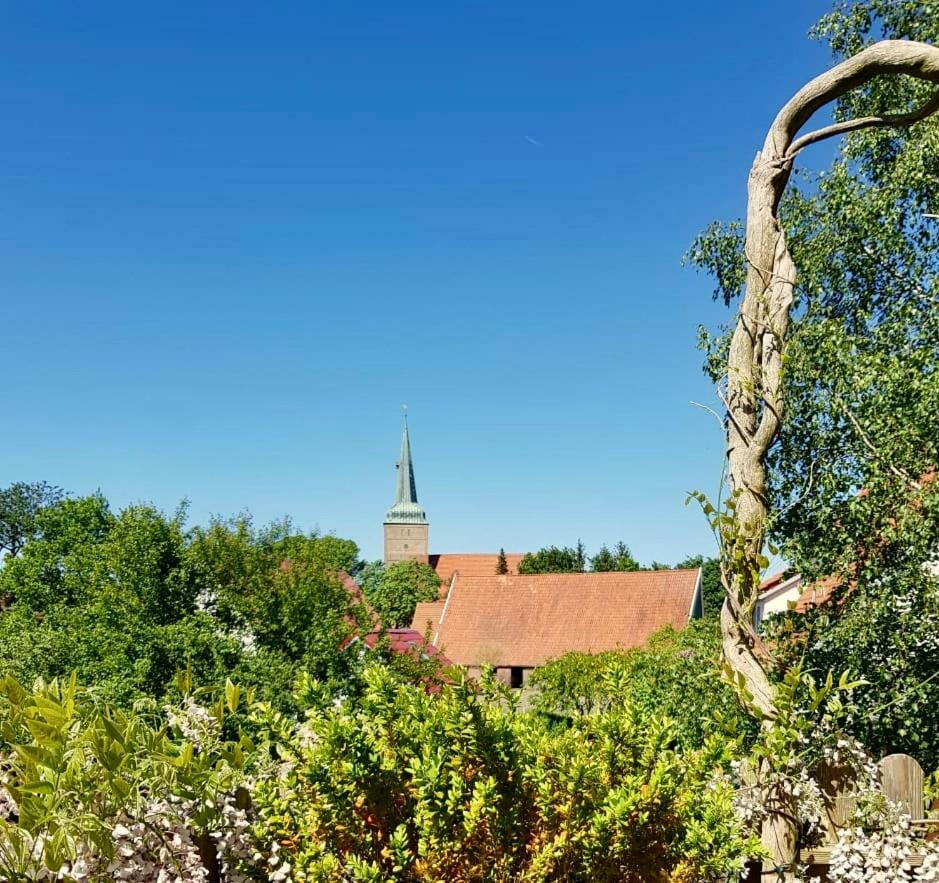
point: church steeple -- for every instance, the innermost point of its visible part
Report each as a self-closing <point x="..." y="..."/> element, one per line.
<point x="405" y="507"/>
<point x="406" y="526"/>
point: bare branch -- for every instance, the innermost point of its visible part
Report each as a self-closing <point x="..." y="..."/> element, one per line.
<point x="918" y="60"/>
<point x="887" y="121"/>
<point x="711" y="411"/>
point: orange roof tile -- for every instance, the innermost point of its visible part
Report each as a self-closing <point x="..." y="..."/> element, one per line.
<point x="427" y="612"/>
<point x="472" y="564"/>
<point x="817" y="594"/>
<point x="772" y="581"/>
<point x="527" y="620"/>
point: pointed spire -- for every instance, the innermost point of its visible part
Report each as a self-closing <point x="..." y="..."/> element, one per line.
<point x="406" y="508"/>
<point x="407" y="489"/>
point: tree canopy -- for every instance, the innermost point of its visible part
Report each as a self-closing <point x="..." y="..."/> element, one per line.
<point x="20" y="505"/>
<point x="862" y="361"/>
<point x="574" y="559"/>
<point x="552" y="559"/>
<point x="127" y="599"/>
<point x="620" y="558"/>
<point x="394" y="590"/>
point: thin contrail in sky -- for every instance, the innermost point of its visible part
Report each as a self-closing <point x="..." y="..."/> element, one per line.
<point x="531" y="140"/>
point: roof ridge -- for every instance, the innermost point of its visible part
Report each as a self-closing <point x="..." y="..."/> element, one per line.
<point x="471" y="554"/>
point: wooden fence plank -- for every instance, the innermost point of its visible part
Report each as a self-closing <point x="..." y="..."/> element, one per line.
<point x="839" y="790"/>
<point x="902" y="781"/>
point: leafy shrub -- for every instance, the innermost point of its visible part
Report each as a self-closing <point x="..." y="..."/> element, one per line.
<point x="402" y="785"/>
<point x="407" y="785"/>
<point x="93" y="793"/>
<point x="677" y="676"/>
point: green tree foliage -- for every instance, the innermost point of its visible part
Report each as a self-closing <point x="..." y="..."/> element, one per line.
<point x="887" y="635"/>
<point x="394" y="590"/>
<point x="567" y="559"/>
<point x="852" y="473"/>
<point x="126" y="600"/>
<point x="677" y="676"/>
<point x="620" y="558"/>
<point x="279" y="592"/>
<point x="502" y="564"/>
<point x="552" y="559"/>
<point x="413" y="786"/>
<point x="862" y="366"/>
<point x="20" y="505"/>
<point x="712" y="589"/>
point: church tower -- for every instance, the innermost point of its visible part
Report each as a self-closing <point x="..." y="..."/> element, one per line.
<point x="406" y="527"/>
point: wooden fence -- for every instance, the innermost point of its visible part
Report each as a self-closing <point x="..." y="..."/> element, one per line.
<point x="901" y="781"/>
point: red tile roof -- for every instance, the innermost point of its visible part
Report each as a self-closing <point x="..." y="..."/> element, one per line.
<point x="472" y="564"/>
<point x="817" y="594"/>
<point x="427" y="612"/>
<point x="527" y="620"/>
<point x="772" y="581"/>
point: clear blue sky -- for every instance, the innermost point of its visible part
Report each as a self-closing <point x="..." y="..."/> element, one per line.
<point x="235" y="238"/>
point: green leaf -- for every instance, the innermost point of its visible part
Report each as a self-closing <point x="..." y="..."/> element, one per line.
<point x="232" y="696"/>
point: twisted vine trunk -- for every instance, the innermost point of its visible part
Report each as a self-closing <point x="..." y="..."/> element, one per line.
<point x="755" y="377"/>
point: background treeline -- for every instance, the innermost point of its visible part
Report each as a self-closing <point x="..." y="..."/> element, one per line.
<point x="127" y="599"/>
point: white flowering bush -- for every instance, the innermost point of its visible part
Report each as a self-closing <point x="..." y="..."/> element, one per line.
<point x="92" y="793"/>
<point x="877" y="847"/>
<point x="780" y="773"/>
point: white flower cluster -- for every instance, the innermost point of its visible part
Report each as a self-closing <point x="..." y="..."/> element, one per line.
<point x="195" y="723"/>
<point x="233" y="840"/>
<point x="877" y="851"/>
<point x="848" y="753"/>
<point x="8" y="807"/>
<point x="278" y="867"/>
<point x="877" y="856"/>
<point x="159" y="847"/>
<point x="792" y="786"/>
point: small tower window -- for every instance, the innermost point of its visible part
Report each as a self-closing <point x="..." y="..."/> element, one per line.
<point x="516" y="677"/>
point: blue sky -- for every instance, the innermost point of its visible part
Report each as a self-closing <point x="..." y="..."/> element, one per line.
<point x="235" y="239"/>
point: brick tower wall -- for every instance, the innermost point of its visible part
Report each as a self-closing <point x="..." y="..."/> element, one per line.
<point x="406" y="541"/>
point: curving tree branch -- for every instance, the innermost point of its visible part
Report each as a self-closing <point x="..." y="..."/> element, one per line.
<point x="756" y="392"/>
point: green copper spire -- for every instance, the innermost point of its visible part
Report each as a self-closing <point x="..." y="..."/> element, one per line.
<point x="405" y="508"/>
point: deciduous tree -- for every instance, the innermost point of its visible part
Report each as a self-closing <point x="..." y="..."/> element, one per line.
<point x="552" y="559"/>
<point x="20" y="505"/>
<point x="756" y="390"/>
<point x="394" y="590"/>
<point x="620" y="558"/>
